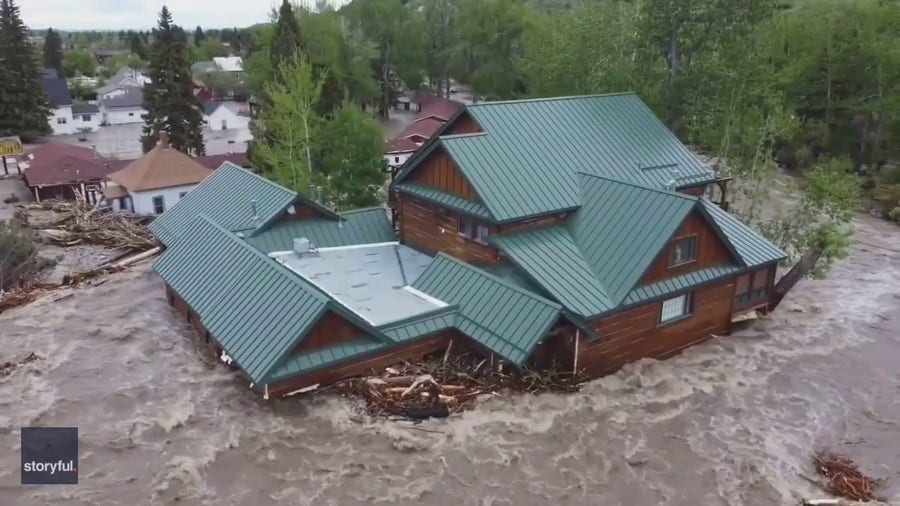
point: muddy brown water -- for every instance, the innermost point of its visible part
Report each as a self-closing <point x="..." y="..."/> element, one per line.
<point x="732" y="421"/>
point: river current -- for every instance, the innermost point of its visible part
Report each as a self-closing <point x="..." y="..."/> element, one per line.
<point x="732" y="421"/>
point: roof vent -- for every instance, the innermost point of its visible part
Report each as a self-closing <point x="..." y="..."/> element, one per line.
<point x="303" y="246"/>
<point x="254" y="213"/>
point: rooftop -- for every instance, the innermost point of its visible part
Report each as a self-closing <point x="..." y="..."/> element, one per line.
<point x="372" y="280"/>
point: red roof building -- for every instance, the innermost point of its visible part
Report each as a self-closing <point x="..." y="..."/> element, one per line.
<point x="434" y="112"/>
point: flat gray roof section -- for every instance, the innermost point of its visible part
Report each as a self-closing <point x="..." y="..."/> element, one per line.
<point x="371" y="279"/>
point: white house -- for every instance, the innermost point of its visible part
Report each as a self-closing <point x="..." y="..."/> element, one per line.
<point x="122" y="107"/>
<point x="226" y="115"/>
<point x="154" y="182"/>
<point x="233" y="64"/>
<point x="124" y="79"/>
<point x="61" y="121"/>
<point x="86" y="117"/>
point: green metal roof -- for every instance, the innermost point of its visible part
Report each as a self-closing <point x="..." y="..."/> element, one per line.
<point x="362" y="226"/>
<point x="679" y="283"/>
<point x="753" y="249"/>
<point x="551" y="257"/>
<point x="622" y="227"/>
<point x="421" y="326"/>
<point x="543" y="144"/>
<point x="227" y="197"/>
<point x="507" y="320"/>
<point x="324" y="357"/>
<point x="256" y="309"/>
<point x="445" y="199"/>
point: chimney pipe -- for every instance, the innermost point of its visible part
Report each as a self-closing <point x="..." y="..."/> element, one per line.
<point x="163" y="139"/>
<point x="255" y="213"/>
<point x="94" y="148"/>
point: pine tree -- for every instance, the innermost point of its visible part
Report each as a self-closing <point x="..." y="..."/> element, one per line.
<point x="199" y="36"/>
<point x="169" y="98"/>
<point x="53" y="52"/>
<point x="23" y="103"/>
<point x="287" y="40"/>
<point x="136" y="46"/>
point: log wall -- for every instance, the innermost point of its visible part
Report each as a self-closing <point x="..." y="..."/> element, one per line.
<point x="432" y="229"/>
<point x="710" y="251"/>
<point x="438" y="171"/>
<point x="330" y="330"/>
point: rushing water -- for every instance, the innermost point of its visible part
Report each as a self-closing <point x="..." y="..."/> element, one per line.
<point x="732" y="421"/>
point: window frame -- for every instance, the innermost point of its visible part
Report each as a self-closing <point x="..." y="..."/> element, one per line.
<point x="162" y="204"/>
<point x="687" y="308"/>
<point x="694" y="241"/>
<point x="62" y="121"/>
<point x="472" y="229"/>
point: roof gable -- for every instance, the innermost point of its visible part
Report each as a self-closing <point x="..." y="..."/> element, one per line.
<point x="621" y="228"/>
<point x="752" y="248"/>
<point x="507" y="320"/>
<point x="161" y="167"/>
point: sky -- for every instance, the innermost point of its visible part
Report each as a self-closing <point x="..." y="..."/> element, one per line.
<point x="142" y="14"/>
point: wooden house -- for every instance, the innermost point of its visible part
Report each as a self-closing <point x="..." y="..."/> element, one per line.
<point x="568" y="230"/>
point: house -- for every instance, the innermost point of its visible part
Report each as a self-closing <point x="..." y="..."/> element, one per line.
<point x="124" y="79"/>
<point x="56" y="171"/>
<point x="123" y="107"/>
<point x="226" y="115"/>
<point x="433" y="113"/>
<point x="571" y="231"/>
<point x="154" y="182"/>
<point x="86" y="117"/>
<point x="202" y="67"/>
<point x="231" y="64"/>
<point x="61" y="121"/>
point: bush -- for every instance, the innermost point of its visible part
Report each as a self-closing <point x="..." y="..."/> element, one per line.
<point x="19" y="258"/>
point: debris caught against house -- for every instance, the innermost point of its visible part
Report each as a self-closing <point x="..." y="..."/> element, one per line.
<point x="566" y="234"/>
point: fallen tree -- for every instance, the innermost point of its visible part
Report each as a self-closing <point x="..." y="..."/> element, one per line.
<point x="843" y="478"/>
<point x="75" y="223"/>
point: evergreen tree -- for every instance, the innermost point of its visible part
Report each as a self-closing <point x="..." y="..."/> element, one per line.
<point x="199" y="36"/>
<point x="53" y="52"/>
<point x="136" y="45"/>
<point x="23" y="103"/>
<point x="287" y="39"/>
<point x="169" y="98"/>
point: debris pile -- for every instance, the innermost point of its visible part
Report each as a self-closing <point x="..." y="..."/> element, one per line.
<point x="436" y="388"/>
<point x="73" y="223"/>
<point x="6" y="368"/>
<point x="843" y="477"/>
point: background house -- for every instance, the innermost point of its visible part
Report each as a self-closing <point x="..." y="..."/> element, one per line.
<point x="86" y="117"/>
<point x="231" y="64"/>
<point x="123" y="106"/>
<point x="226" y="115"/>
<point x="61" y="122"/>
<point x="156" y="181"/>
<point x="123" y="80"/>
<point x="433" y="113"/>
<point x="56" y="171"/>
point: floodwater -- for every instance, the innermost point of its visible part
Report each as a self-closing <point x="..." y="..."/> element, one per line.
<point x="732" y="421"/>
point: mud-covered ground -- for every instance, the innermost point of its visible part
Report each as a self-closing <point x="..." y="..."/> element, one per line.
<point x="732" y="421"/>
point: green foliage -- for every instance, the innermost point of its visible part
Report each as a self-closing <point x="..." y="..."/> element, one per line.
<point x="79" y="62"/>
<point x="209" y="49"/>
<point x="287" y="126"/>
<point x="351" y="156"/>
<point x="53" y="52"/>
<point x="18" y="254"/>
<point x="136" y="46"/>
<point x="24" y="108"/>
<point x="286" y="40"/>
<point x="221" y="84"/>
<point x="169" y="98"/>
<point x="199" y="36"/>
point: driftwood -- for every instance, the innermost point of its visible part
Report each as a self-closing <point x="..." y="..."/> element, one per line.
<point x="443" y="384"/>
<point x="843" y="478"/>
<point x="76" y="223"/>
<point x="7" y="368"/>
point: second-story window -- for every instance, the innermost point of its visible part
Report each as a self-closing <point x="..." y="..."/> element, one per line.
<point x="684" y="250"/>
<point x="473" y="230"/>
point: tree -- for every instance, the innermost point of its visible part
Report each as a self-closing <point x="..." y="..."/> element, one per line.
<point x="53" y="52"/>
<point x="286" y="40"/>
<point x="221" y="84"/>
<point x="79" y="62"/>
<point x="199" y="37"/>
<point x="209" y="49"/>
<point x="118" y="61"/>
<point x="351" y="155"/>
<point x="169" y="97"/>
<point x="136" y="46"/>
<point x="286" y="128"/>
<point x="440" y="21"/>
<point x="24" y="107"/>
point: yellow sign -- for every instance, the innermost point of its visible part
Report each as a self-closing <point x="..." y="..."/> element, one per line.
<point x="10" y="146"/>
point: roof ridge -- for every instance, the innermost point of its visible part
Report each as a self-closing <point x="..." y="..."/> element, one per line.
<point x="492" y="277"/>
<point x="548" y="99"/>
<point x="463" y="136"/>
<point x="360" y="210"/>
<point x="671" y="193"/>
<point x="254" y="174"/>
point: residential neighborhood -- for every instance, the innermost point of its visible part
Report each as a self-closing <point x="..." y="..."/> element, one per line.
<point x="473" y="252"/>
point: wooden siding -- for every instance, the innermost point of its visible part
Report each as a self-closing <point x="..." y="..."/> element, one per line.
<point x="464" y="124"/>
<point x="509" y="228"/>
<point x="696" y="191"/>
<point x="330" y="330"/>
<point x="636" y="333"/>
<point x="438" y="171"/>
<point x="367" y="365"/>
<point x="301" y="212"/>
<point x="710" y="251"/>
<point x="429" y="228"/>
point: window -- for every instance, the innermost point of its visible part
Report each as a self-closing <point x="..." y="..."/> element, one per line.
<point x="676" y="307"/>
<point x="470" y="229"/>
<point x="61" y="121"/>
<point x="181" y="195"/>
<point x="751" y="288"/>
<point x="131" y="114"/>
<point x="684" y="250"/>
<point x="396" y="159"/>
<point x="86" y="117"/>
<point x="159" y="204"/>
